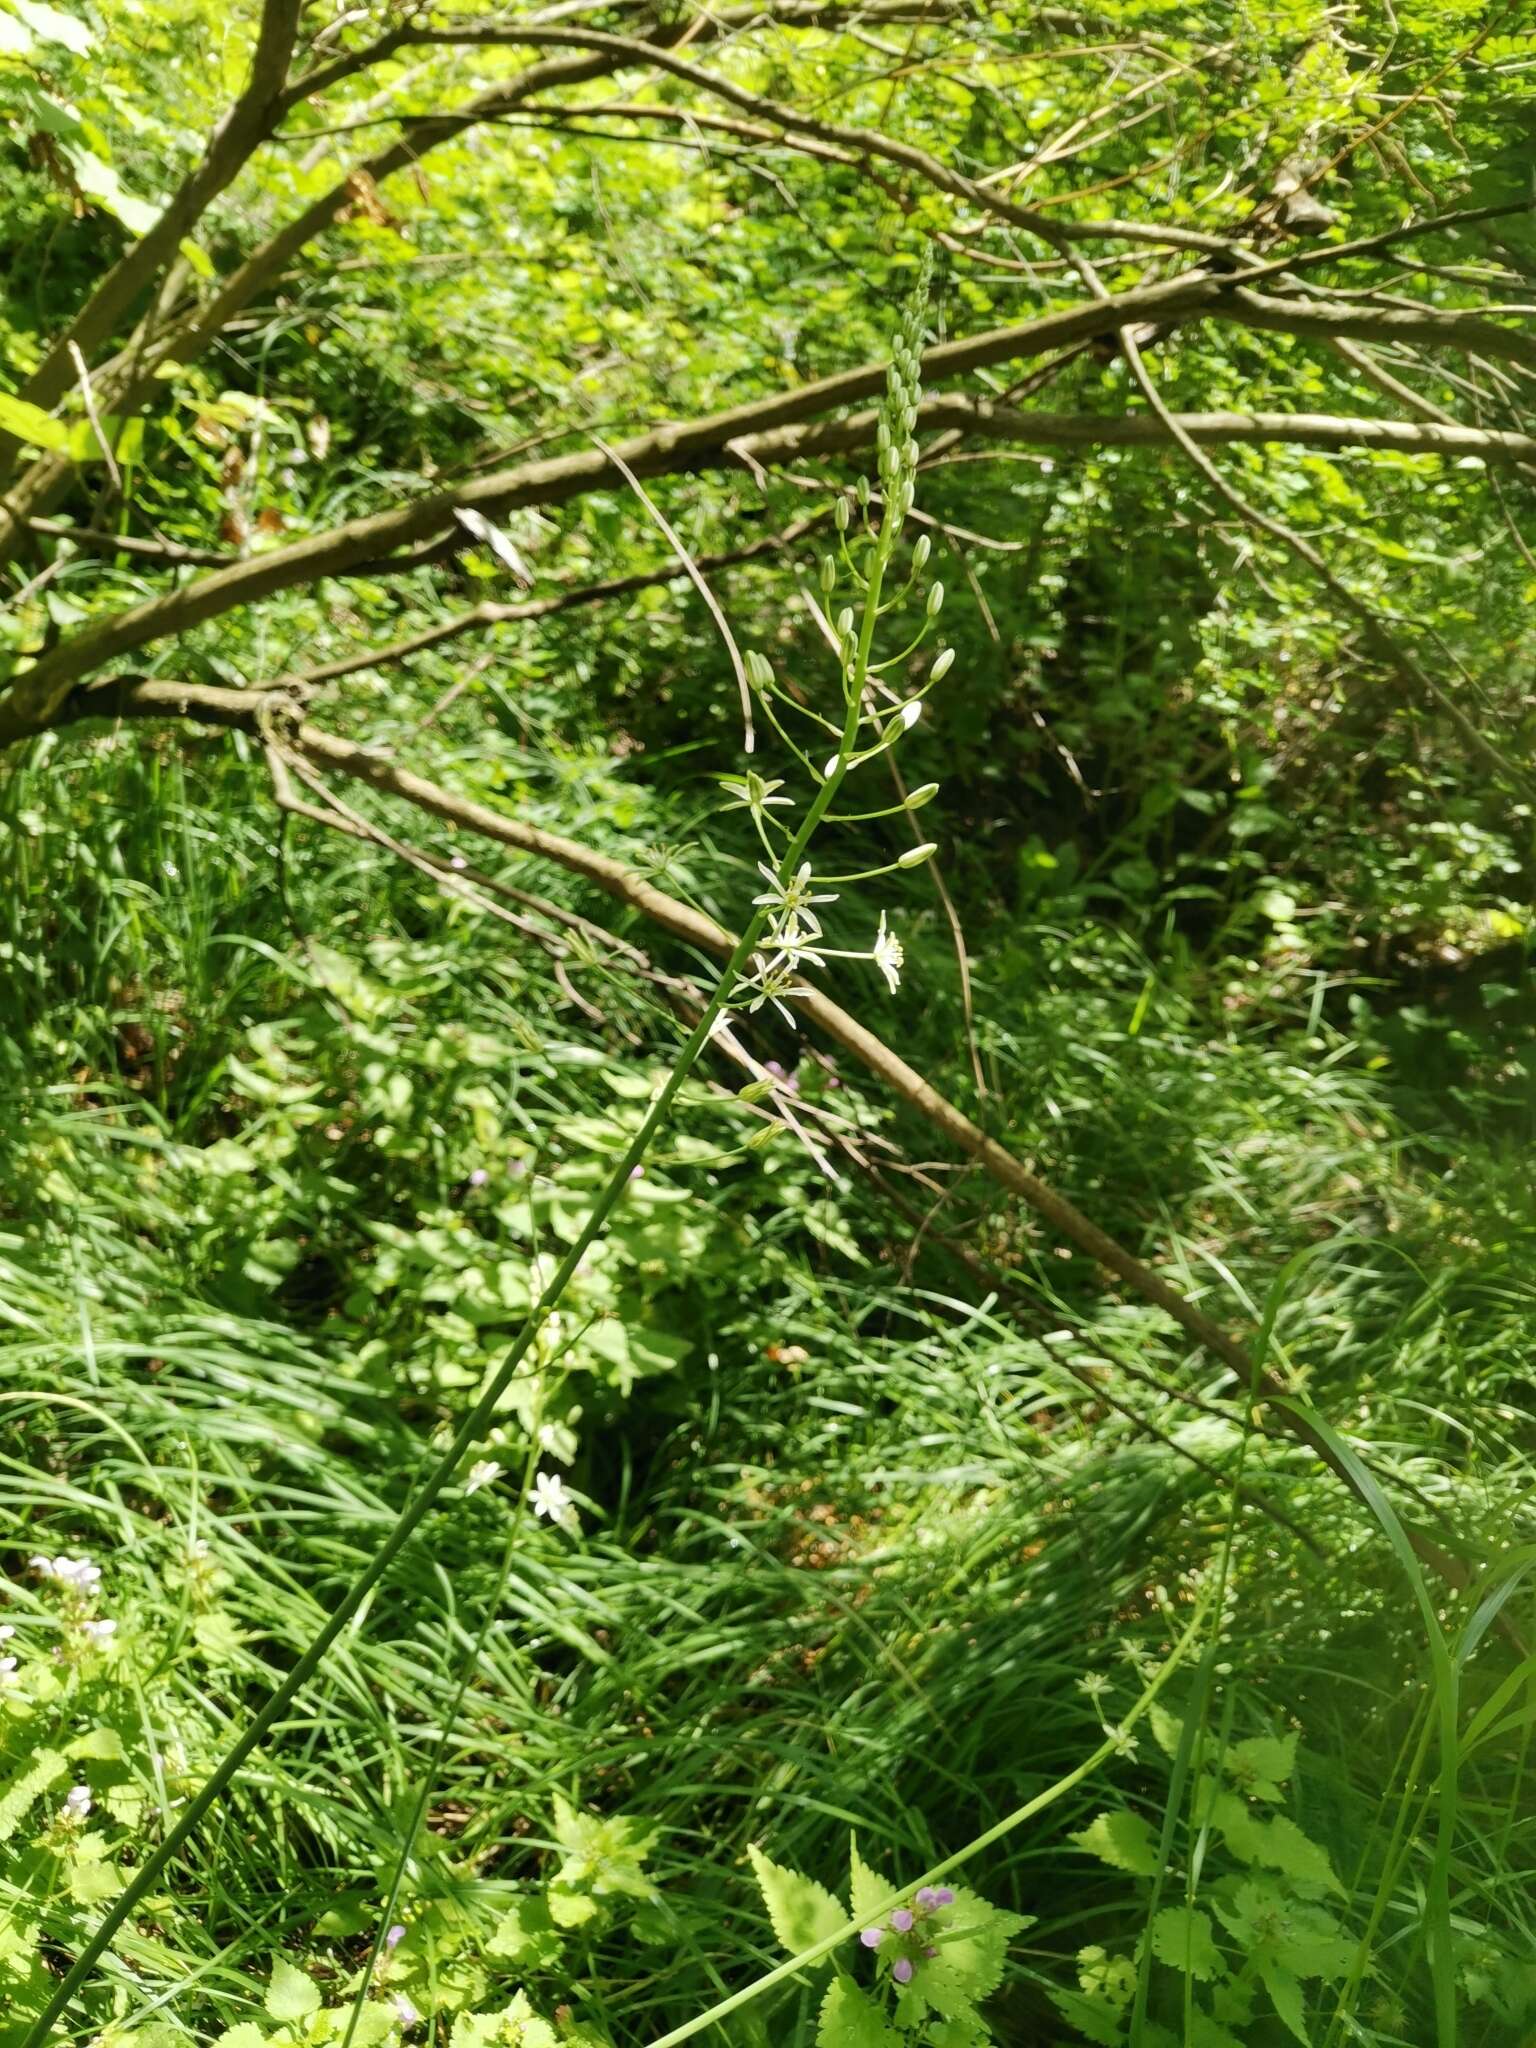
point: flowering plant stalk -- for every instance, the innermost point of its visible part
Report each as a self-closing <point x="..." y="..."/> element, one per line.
<point x="781" y="937"/>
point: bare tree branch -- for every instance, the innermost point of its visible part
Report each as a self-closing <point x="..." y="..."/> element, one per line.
<point x="722" y="440"/>
<point x="253" y="711"/>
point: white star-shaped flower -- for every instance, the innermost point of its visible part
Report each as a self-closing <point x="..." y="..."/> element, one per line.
<point x="552" y="1501"/>
<point x="888" y="955"/>
<point x="793" y="897"/>
<point x="484" y="1472"/>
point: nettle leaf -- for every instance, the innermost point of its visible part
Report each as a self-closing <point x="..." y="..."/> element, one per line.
<point x="526" y="1934"/>
<point x="958" y="2034"/>
<point x="972" y="1939"/>
<point x="1261" y="1765"/>
<point x="1182" y="1938"/>
<point x="1313" y="1943"/>
<point x="1286" y="1849"/>
<point x="290" y="1995"/>
<point x="1167" y="1729"/>
<point x="1112" y="1978"/>
<point x="850" y="2018"/>
<point x="28" y="1786"/>
<point x="1101" y="2024"/>
<point x="246" y="2035"/>
<point x="101" y="1745"/>
<point x="1122" y="1839"/>
<point x="866" y="1889"/>
<point x="602" y="1855"/>
<point x="802" y="1911"/>
<point x="1286" y="1993"/>
<point x="1206" y="2032"/>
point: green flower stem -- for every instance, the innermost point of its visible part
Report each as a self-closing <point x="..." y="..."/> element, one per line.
<point x="475" y="1423"/>
<point x="851" y="1928"/>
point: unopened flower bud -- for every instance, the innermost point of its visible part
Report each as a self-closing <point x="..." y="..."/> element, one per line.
<point x="863" y="491"/>
<point x="845" y="621"/>
<point x="916" y="855"/>
<point x="935" y="600"/>
<point x="828" y="575"/>
<point x="922" y="796"/>
<point x="942" y="665"/>
<point x="840" y="515"/>
<point x="921" y="550"/>
<point x="830" y="770"/>
<point x="909" y="714"/>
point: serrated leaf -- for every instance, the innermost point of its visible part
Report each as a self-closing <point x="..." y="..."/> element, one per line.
<point x="1122" y="1839"/>
<point x="802" y="1911"/>
<point x="290" y="1994"/>
<point x="101" y="1745"/>
<point x="1095" y="2022"/>
<point x="1286" y="1994"/>
<point x="1286" y="1849"/>
<point x="972" y="1939"/>
<point x="1167" y="1729"/>
<point x="850" y="2018"/>
<point x="526" y="1934"/>
<point x="1205" y="2032"/>
<point x="246" y="2035"/>
<point x="570" y="1909"/>
<point x="28" y="1785"/>
<point x="1182" y="1938"/>
<point x="865" y="1888"/>
<point x="29" y="423"/>
<point x="1261" y="1765"/>
<point x="1111" y="1978"/>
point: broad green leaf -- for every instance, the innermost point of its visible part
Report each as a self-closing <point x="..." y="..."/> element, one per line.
<point x="865" y="1888"/>
<point x="28" y="1785"/>
<point x="1286" y="1993"/>
<point x="29" y="423"/>
<point x="97" y="180"/>
<point x="101" y="1745"/>
<point x="802" y="1911"/>
<point x="1112" y="1978"/>
<point x="51" y="25"/>
<point x="1285" y="1848"/>
<point x="1182" y="1938"/>
<point x="1261" y="1765"/>
<point x="972" y="1940"/>
<point x="1095" y="2021"/>
<point x="526" y="1934"/>
<point x="1167" y="1729"/>
<point x="1122" y="1839"/>
<point x="246" y="2035"/>
<point x="850" y="2018"/>
<point x="290" y="1994"/>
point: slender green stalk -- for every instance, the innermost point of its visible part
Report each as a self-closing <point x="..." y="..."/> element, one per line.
<point x="475" y="1423"/>
<point x="1109" y="1747"/>
<point x="428" y="1780"/>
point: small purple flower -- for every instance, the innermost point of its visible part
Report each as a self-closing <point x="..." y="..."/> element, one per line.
<point x="901" y="1920"/>
<point x="872" y="1937"/>
<point x="932" y="1897"/>
<point x="479" y="1177"/>
<point x="637" y="1173"/>
<point x="901" y="1970"/>
<point x="394" y="1937"/>
<point x="930" y="1950"/>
